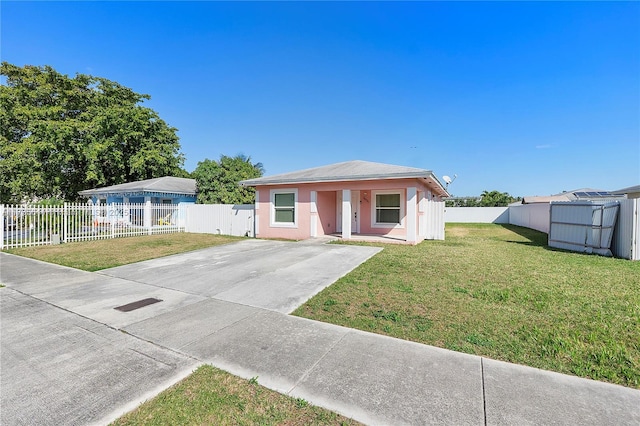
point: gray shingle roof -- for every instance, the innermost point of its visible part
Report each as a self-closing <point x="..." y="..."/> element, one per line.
<point x="168" y="184"/>
<point x="346" y="171"/>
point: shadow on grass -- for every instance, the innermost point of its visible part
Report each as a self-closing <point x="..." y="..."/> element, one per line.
<point x="536" y="238"/>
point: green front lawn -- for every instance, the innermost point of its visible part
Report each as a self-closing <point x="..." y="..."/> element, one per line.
<point x="499" y="292"/>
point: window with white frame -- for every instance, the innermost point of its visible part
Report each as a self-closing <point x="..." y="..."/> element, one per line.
<point x="387" y="209"/>
<point x="283" y="207"/>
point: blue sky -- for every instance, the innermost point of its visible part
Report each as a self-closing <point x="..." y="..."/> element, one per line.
<point x="527" y="98"/>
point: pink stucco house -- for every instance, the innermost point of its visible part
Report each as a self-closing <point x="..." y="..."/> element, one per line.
<point x="354" y="197"/>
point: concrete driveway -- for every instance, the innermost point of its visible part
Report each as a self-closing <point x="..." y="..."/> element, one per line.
<point x="63" y="357"/>
<point x="274" y="275"/>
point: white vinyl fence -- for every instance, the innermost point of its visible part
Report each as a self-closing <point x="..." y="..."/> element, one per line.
<point x="533" y="216"/>
<point x="225" y="219"/>
<point x="31" y="225"/>
<point x="476" y="214"/>
<point x="433" y="220"/>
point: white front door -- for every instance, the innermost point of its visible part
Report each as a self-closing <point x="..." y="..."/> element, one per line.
<point x="355" y="212"/>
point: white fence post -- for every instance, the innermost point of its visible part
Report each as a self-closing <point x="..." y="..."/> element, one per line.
<point x="147" y="216"/>
<point x="4" y="223"/>
<point x="65" y="219"/>
<point x="110" y="218"/>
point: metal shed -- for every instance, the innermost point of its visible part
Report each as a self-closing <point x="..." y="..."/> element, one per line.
<point x="583" y="226"/>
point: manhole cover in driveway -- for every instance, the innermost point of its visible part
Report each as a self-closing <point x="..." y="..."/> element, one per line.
<point x="137" y="305"/>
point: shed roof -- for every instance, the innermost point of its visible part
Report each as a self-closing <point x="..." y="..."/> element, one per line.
<point x="348" y="171"/>
<point x="166" y="184"/>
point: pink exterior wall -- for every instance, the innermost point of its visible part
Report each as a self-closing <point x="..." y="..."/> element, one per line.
<point x="326" y="212"/>
<point x="326" y="208"/>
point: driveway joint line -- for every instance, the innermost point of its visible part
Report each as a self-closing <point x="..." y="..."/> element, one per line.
<point x="484" y="397"/>
<point x="153" y="358"/>
<point x="62" y="308"/>
<point x="156" y="344"/>
<point x="149" y="284"/>
<point x="310" y="369"/>
<point x="253" y="314"/>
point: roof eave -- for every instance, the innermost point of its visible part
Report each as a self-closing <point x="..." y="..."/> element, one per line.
<point x="280" y="181"/>
<point x="90" y="192"/>
<point x="285" y="181"/>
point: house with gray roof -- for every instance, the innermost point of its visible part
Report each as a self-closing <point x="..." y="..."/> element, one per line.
<point x="345" y="199"/>
<point x="631" y="192"/>
<point x="163" y="190"/>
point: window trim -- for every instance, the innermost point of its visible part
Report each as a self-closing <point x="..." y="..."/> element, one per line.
<point x="374" y="199"/>
<point x="272" y="205"/>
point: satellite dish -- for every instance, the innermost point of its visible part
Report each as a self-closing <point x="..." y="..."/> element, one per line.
<point x="448" y="180"/>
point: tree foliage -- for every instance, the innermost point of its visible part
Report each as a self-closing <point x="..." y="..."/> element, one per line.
<point x="217" y="181"/>
<point x="463" y="202"/>
<point x="496" y="199"/>
<point x="60" y="135"/>
<point x="487" y="199"/>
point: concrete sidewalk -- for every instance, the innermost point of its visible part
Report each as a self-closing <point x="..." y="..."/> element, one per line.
<point x="58" y="368"/>
<point x="381" y="380"/>
<point x="64" y="362"/>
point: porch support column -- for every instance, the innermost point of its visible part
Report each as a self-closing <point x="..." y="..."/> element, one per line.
<point x="412" y="215"/>
<point x="346" y="214"/>
<point x="313" y="205"/>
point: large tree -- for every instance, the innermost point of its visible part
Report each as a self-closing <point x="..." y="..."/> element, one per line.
<point x="217" y="181"/>
<point x="60" y="135"/>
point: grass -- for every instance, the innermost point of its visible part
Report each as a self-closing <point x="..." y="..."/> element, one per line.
<point x="109" y="253"/>
<point x="498" y="291"/>
<point x="211" y="396"/>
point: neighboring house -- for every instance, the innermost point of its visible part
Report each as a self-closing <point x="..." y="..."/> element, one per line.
<point x="584" y="194"/>
<point x="631" y="192"/>
<point x="354" y="197"/>
<point x="164" y="190"/>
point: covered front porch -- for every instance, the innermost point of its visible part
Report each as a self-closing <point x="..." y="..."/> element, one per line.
<point x="401" y="215"/>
